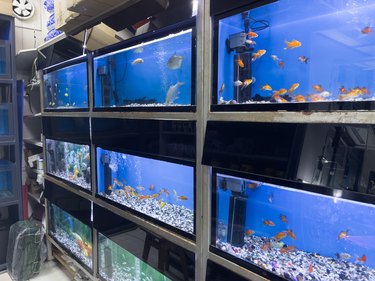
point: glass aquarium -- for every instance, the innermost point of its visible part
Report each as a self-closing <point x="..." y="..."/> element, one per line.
<point x="5" y="108"/>
<point x="6" y="27"/>
<point x="72" y="234"/>
<point x="7" y="171"/>
<point x="159" y="189"/>
<point x="295" y="55"/>
<point x="116" y="263"/>
<point x="152" y="74"/>
<point x="293" y="234"/>
<point x="69" y="161"/>
<point x="65" y="86"/>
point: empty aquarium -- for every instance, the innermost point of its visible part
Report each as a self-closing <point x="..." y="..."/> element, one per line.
<point x="155" y="73"/>
<point x="5" y="109"/>
<point x="7" y="171"/>
<point x="295" y="55"/>
<point x="295" y="234"/>
<point x="69" y="161"/>
<point x="158" y="189"/>
<point x="71" y="233"/>
<point x="65" y="85"/>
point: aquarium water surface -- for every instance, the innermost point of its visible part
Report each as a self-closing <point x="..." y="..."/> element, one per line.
<point x="294" y="51"/>
<point x="72" y="234"/>
<point x="296" y="234"/>
<point x="66" y="87"/>
<point x="159" y="189"/>
<point x="154" y="73"/>
<point x="69" y="161"/>
<point x="117" y="264"/>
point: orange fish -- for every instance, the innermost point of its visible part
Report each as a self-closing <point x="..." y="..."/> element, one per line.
<point x="240" y="63"/>
<point x="291" y="234"/>
<point x="252" y="34"/>
<point x="221" y="90"/>
<point x="316" y="97"/>
<point x="279" y="99"/>
<point x="266" y="88"/>
<point x="281" y="64"/>
<point x="362" y="259"/>
<point x="249" y="232"/>
<point x="247" y="82"/>
<point x="144" y="197"/>
<point x="342" y="90"/>
<point x="257" y="55"/>
<point x="280" y="92"/>
<point x="182" y="198"/>
<point x="287" y="249"/>
<point x="266" y="246"/>
<point x="310" y="268"/>
<point x="299" y="98"/>
<point x="364" y="90"/>
<point x="366" y="30"/>
<point x="253" y="185"/>
<point x="280" y="235"/>
<point x="343" y="234"/>
<point x="268" y="222"/>
<point x="318" y="88"/>
<point x="283" y="218"/>
<point x="293" y="88"/>
<point x="109" y="187"/>
<point x="293" y="44"/>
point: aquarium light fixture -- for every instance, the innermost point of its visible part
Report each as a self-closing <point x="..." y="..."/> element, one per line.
<point x="147" y="43"/>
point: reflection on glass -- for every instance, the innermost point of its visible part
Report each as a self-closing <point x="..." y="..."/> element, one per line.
<point x="159" y="189"/>
<point x="66" y="87"/>
<point x="72" y="234"/>
<point x="155" y="73"/>
<point x="116" y="263"/>
<point x="69" y="161"/>
<point x="296" y="234"/>
<point x="286" y="52"/>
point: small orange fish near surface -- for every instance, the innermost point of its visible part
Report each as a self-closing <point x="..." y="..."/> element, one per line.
<point x="287" y="249"/>
<point x="152" y="187"/>
<point x="268" y="222"/>
<point x="292" y="44"/>
<point x="184" y="198"/>
<point x="316" y="97"/>
<point x="318" y="88"/>
<point x="293" y="88"/>
<point x="252" y="34"/>
<point x="303" y="59"/>
<point x="299" y="98"/>
<point x="281" y="64"/>
<point x="258" y="54"/>
<point x="366" y="30"/>
<point x="280" y="235"/>
<point x="253" y="185"/>
<point x="266" y="88"/>
<point x="283" y="218"/>
<point x="310" y="268"/>
<point x="362" y="259"/>
<point x="249" y="232"/>
<point x="291" y="234"/>
<point x="343" y="234"/>
<point x="240" y="63"/>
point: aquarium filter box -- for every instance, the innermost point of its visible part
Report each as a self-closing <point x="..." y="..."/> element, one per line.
<point x="266" y="56"/>
<point x="153" y="72"/>
<point x="65" y="85"/>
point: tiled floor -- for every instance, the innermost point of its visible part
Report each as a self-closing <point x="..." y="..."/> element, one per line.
<point x="49" y="271"/>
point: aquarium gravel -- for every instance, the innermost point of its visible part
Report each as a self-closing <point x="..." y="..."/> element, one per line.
<point x="175" y="215"/>
<point x="64" y="239"/>
<point x="126" y="273"/>
<point x="68" y="177"/>
<point x="297" y="265"/>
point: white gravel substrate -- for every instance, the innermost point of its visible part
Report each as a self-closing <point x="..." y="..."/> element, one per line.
<point x="80" y="181"/>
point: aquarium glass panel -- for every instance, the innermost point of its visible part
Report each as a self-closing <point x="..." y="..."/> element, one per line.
<point x="5" y="108"/>
<point x="69" y="161"/>
<point x="7" y="170"/>
<point x="158" y="189"/>
<point x="295" y="234"/>
<point x="295" y="52"/>
<point x="155" y="73"/>
<point x="66" y="88"/>
<point x="72" y="234"/>
<point x="116" y="263"/>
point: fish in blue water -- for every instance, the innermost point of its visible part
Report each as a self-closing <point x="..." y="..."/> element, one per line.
<point x="137" y="61"/>
<point x="174" y="62"/>
<point x="173" y="92"/>
<point x="343" y="234"/>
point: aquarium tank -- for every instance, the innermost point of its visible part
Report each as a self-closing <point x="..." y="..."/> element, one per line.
<point x="156" y="73"/>
<point x="158" y="189"/>
<point x="65" y="86"/>
<point x="5" y="108"/>
<point x="295" y="55"/>
<point x="294" y="234"/>
<point x="69" y="161"/>
<point x="7" y="171"/>
<point x="72" y="234"/>
<point x="116" y="263"/>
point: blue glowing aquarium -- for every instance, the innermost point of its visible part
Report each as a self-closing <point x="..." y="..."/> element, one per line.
<point x="5" y="109"/>
<point x="65" y="85"/>
<point x="158" y="189"/>
<point x="7" y="172"/>
<point x="154" y="71"/>
<point x="69" y="161"/>
<point x="294" y="55"/>
<point x="295" y="234"/>
<point x="71" y="234"/>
